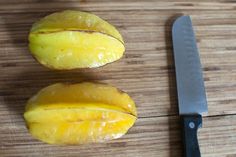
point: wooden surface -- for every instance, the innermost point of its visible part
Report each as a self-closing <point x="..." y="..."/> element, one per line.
<point x="146" y="72"/>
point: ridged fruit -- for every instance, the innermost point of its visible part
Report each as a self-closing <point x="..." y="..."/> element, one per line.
<point x="79" y="113"/>
<point x="74" y="39"/>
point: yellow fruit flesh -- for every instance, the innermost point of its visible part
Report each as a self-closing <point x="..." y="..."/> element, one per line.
<point x="73" y="39"/>
<point x="69" y="49"/>
<point x="79" y="133"/>
<point x="77" y="126"/>
<point x="76" y="120"/>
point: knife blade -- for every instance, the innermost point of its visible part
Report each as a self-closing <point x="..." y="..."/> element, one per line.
<point x="190" y="84"/>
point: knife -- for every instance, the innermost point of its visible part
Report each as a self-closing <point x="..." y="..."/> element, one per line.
<point x="190" y="85"/>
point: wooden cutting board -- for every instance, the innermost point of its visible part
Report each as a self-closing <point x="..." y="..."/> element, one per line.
<point x="146" y="72"/>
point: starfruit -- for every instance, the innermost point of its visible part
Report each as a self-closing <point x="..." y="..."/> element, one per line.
<point x="74" y="39"/>
<point x="79" y="113"/>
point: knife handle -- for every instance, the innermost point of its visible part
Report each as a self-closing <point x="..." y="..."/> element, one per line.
<point x="190" y="125"/>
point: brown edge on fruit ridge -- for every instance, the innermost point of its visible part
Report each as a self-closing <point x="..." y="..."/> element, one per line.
<point x="77" y="30"/>
<point x="95" y="82"/>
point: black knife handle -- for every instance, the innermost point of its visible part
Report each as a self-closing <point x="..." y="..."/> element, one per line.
<point x="190" y="125"/>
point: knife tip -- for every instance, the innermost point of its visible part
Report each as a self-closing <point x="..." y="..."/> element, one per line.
<point x="178" y="22"/>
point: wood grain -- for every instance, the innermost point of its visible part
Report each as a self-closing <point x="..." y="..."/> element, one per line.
<point x="146" y="72"/>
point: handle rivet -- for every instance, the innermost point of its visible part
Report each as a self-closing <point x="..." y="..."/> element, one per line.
<point x="191" y="125"/>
